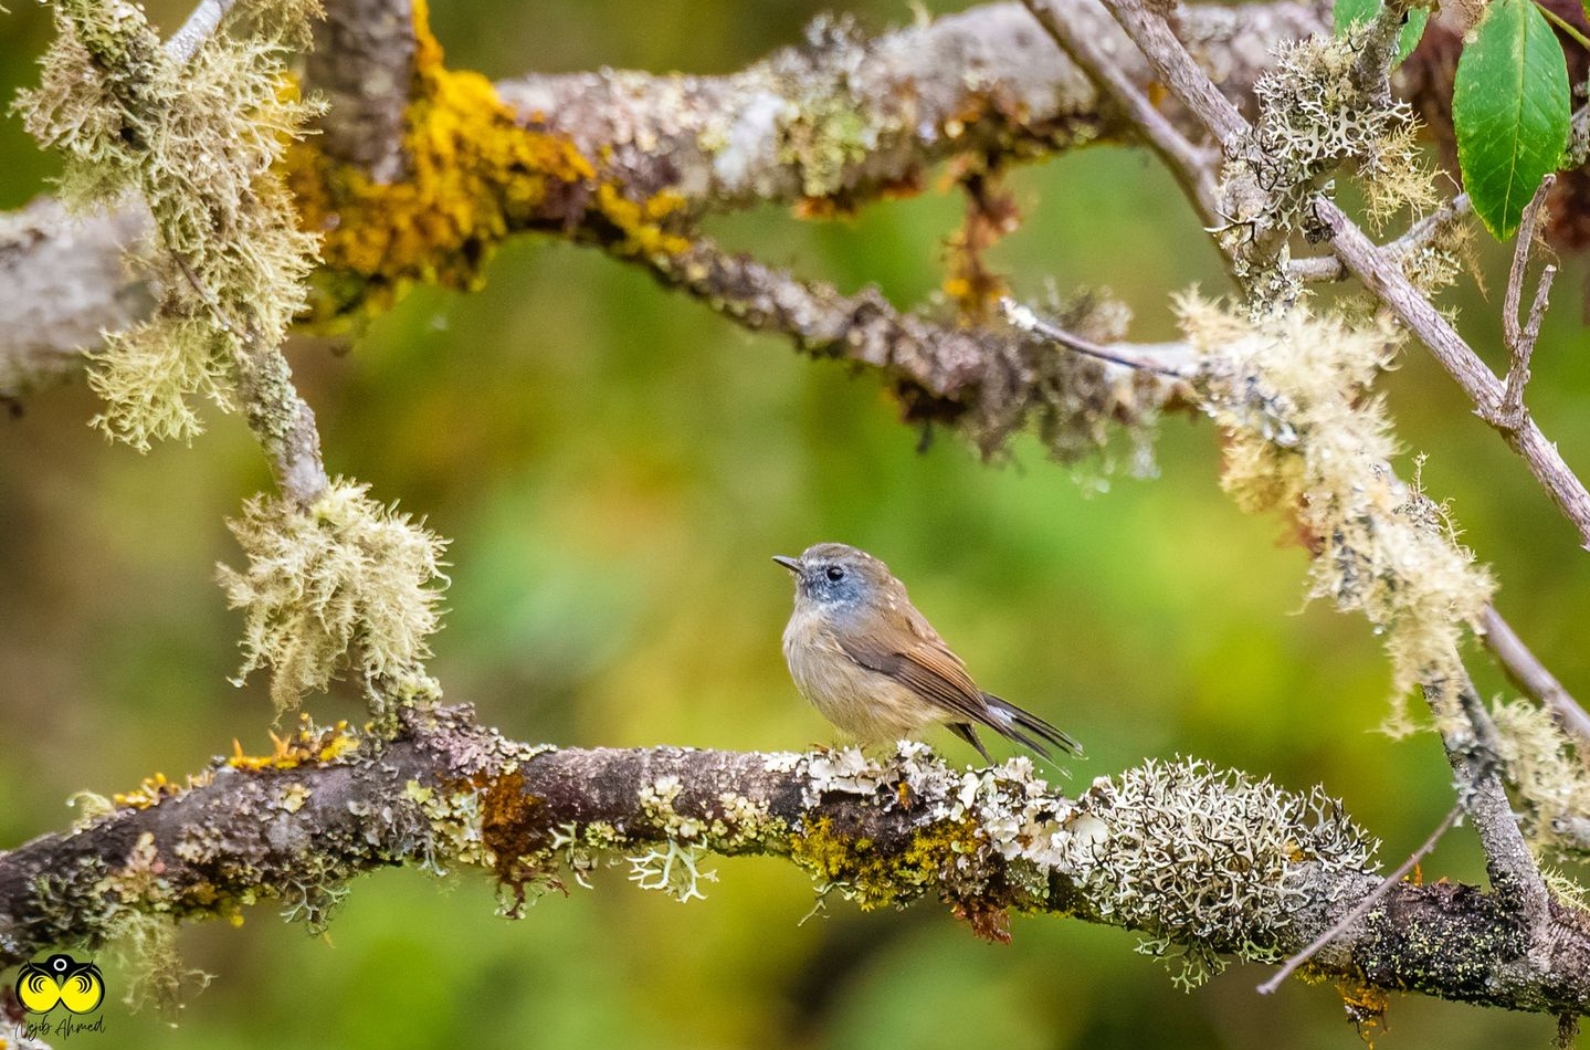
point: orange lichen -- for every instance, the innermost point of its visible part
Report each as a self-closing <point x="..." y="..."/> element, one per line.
<point x="154" y="790"/>
<point x="475" y="175"/>
<point x="991" y="215"/>
<point x="309" y="744"/>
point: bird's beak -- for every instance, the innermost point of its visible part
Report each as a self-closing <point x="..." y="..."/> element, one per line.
<point x="792" y="564"/>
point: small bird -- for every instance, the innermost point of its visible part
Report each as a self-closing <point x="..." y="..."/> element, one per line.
<point x="873" y="666"/>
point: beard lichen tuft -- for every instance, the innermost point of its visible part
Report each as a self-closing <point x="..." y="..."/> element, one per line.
<point x="1550" y="777"/>
<point x="1306" y="436"/>
<point x="198" y="141"/>
<point x="347" y="583"/>
<point x="1315" y="116"/>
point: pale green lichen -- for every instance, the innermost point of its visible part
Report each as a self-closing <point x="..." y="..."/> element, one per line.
<point x="673" y="868"/>
<point x="1202" y="860"/>
<point x="824" y="132"/>
<point x="1315" y="116"/>
<point x="139" y="916"/>
<point x="1307" y="438"/>
<point x="346" y="582"/>
<point x="457" y="836"/>
<point x="1550" y="775"/>
<point x="198" y="141"/>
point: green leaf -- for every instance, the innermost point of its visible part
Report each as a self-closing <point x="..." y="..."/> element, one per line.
<point x="1350" y="12"/>
<point x="1510" y="109"/>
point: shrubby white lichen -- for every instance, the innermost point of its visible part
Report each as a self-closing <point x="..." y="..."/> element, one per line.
<point x="1205" y="862"/>
<point x="1315" y="116"/>
<point x="1201" y="859"/>
<point x="674" y="868"/>
<point x="198" y="141"/>
<point x="347" y="582"/>
<point x="1306" y="437"/>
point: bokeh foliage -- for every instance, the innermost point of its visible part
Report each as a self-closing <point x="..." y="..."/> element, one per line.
<point x="614" y="466"/>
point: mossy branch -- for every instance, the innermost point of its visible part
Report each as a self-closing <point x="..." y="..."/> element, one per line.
<point x="982" y="83"/>
<point x="1206" y="864"/>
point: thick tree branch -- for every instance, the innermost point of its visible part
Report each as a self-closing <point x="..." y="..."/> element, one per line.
<point x="984" y="82"/>
<point x="65" y="282"/>
<point x="1259" y="871"/>
<point x="363" y="63"/>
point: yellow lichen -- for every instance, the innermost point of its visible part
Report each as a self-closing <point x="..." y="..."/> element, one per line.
<point x="475" y="175"/>
<point x="873" y="878"/>
<point x="312" y="743"/>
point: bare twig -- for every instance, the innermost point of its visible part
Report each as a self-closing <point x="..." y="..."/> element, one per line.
<point x="1177" y="70"/>
<point x="1363" y="907"/>
<point x="1142" y="359"/>
<point x="1530" y="675"/>
<point x="1192" y="167"/>
<point x="204" y="21"/>
<point x="1520" y="339"/>
<point x="1386" y="280"/>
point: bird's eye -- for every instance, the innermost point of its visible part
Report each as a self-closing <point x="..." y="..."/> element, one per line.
<point x="835" y="573"/>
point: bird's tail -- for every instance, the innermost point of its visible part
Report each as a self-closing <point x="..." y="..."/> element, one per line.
<point x="1024" y="727"/>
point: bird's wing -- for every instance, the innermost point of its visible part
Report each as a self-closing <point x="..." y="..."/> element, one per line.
<point x="927" y="667"/>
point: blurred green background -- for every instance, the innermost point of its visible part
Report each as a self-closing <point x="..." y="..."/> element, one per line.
<point x="615" y="465"/>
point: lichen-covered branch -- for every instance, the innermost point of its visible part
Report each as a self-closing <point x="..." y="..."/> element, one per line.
<point x="1301" y="436"/>
<point x="848" y="117"/>
<point x="842" y="120"/>
<point x="1205" y="864"/>
<point x="1381" y="276"/>
<point x="363" y="63"/>
<point x="991" y="381"/>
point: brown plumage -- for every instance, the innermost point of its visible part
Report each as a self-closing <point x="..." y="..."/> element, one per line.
<point x="873" y="665"/>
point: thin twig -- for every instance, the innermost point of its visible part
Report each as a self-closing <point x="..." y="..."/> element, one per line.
<point x="1191" y="166"/>
<point x="1316" y="268"/>
<point x="200" y="26"/>
<point x="1176" y="68"/>
<point x="1520" y="338"/>
<point x="1363" y="907"/>
<point x="1120" y="354"/>
<point x="1526" y="671"/>
<point x="1386" y="280"/>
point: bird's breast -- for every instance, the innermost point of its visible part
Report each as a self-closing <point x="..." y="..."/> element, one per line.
<point x="864" y="703"/>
